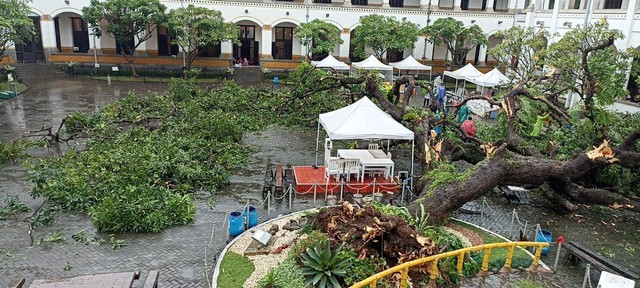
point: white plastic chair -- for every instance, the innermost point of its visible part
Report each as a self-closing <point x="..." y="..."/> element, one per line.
<point x="348" y="167"/>
<point x="331" y="168"/>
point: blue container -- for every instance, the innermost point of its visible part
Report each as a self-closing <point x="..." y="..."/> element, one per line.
<point x="253" y="216"/>
<point x="236" y="224"/>
<point x="276" y="80"/>
<point x="544" y="236"/>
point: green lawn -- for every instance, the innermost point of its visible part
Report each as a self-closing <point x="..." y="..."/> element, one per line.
<point x="234" y="270"/>
<point x="4" y="86"/>
<point x="152" y="79"/>
<point x="520" y="258"/>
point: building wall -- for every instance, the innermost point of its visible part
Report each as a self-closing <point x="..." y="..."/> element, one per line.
<point x="268" y="14"/>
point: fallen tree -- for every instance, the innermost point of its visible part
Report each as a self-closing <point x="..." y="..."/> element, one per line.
<point x="571" y="157"/>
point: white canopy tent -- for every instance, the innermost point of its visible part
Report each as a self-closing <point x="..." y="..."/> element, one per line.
<point x="372" y="63"/>
<point x="363" y="120"/>
<point x="410" y="63"/>
<point x="330" y="62"/>
<point x="466" y="72"/>
<point x="492" y="79"/>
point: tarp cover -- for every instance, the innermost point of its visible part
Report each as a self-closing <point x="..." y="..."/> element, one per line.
<point x="467" y="72"/>
<point x="363" y="120"/>
<point x="410" y="63"/>
<point x="330" y="62"/>
<point x="491" y="79"/>
<point x="371" y="63"/>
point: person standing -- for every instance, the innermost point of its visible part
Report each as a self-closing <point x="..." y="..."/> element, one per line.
<point x="427" y="99"/>
<point x="468" y="127"/>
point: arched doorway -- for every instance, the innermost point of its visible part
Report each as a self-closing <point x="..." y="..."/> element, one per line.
<point x="282" y="46"/>
<point x="72" y="33"/>
<point x="493" y="41"/>
<point x="249" y="38"/>
<point x="352" y="48"/>
<point x="31" y="51"/>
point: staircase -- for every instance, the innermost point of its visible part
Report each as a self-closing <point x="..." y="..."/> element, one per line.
<point x="248" y="75"/>
<point x="35" y="72"/>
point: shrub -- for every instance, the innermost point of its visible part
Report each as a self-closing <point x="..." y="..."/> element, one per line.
<point x="361" y="269"/>
<point x="297" y="250"/>
<point x="286" y="275"/>
<point x="323" y="267"/>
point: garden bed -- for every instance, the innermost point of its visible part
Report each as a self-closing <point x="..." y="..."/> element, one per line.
<point x="346" y="244"/>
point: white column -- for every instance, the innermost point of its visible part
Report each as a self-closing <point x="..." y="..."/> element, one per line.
<point x="429" y="51"/>
<point x="48" y="31"/>
<point x="424" y="4"/>
<point x="483" y="54"/>
<point x="385" y="3"/>
<point x="554" y="18"/>
<point x="628" y="21"/>
<point x="456" y="5"/>
<point x="226" y="49"/>
<point x="583" y="4"/>
<point x="601" y="4"/>
<point x="265" y="44"/>
<point x="512" y="5"/>
<point x="142" y="48"/>
<point x="625" y="4"/>
<point x="435" y="5"/>
<point x="489" y="5"/>
<point x="566" y="4"/>
<point x="347" y="3"/>
<point x="345" y="35"/>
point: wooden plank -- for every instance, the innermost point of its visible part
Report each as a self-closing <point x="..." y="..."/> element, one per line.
<point x="613" y="267"/>
<point x="112" y="280"/>
<point x="152" y="279"/>
<point x="16" y="283"/>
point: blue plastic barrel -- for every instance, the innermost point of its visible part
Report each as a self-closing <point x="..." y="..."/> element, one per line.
<point x="253" y="216"/>
<point x="544" y="236"/>
<point x="276" y="80"/>
<point x="236" y="224"/>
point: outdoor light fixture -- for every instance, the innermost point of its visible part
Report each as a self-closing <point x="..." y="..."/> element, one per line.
<point x="567" y="24"/>
<point x="327" y="14"/>
<point x="404" y="18"/>
<point x="246" y="10"/>
<point x="287" y="13"/>
<point x="473" y="21"/>
<point x="499" y="22"/>
<point x="66" y="1"/>
<point x="540" y="23"/>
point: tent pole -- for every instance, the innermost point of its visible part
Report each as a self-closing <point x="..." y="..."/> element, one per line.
<point x="413" y="145"/>
<point x="388" y="140"/>
<point x="317" y="142"/>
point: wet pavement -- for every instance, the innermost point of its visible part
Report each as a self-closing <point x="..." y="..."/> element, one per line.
<point x="184" y="254"/>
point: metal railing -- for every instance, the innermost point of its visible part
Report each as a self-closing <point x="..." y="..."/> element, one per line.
<point x="433" y="262"/>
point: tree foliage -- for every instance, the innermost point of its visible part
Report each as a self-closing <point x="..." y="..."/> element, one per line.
<point x="15" y="25"/>
<point x="383" y="33"/>
<point x="457" y="38"/>
<point x="193" y="28"/>
<point x="125" y="21"/>
<point x="321" y="37"/>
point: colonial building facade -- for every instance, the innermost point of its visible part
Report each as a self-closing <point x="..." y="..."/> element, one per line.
<point x="267" y="28"/>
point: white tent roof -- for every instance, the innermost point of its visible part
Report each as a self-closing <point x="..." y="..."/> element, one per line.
<point x="491" y="79"/>
<point x="330" y="62"/>
<point x="466" y="72"/>
<point x="363" y="120"/>
<point x="409" y="63"/>
<point x="371" y="63"/>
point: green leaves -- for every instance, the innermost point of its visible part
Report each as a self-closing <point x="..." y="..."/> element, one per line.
<point x="457" y="38"/>
<point x="381" y="33"/>
<point x="320" y="36"/>
<point x="324" y="267"/>
<point x="193" y="28"/>
<point x="15" y="25"/>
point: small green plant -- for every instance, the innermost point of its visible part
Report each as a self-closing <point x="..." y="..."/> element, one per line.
<point x="115" y="243"/>
<point x="361" y="269"/>
<point x="323" y="267"/>
<point x="286" y="275"/>
<point x="234" y="270"/>
<point x="607" y="251"/>
<point x="300" y="248"/>
<point x="55" y="237"/>
<point x="527" y="283"/>
<point x="45" y="216"/>
<point x="628" y="248"/>
<point x="12" y="207"/>
<point x="67" y="267"/>
<point x="80" y="237"/>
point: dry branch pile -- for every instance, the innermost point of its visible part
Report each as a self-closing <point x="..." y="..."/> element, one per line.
<point x="369" y="232"/>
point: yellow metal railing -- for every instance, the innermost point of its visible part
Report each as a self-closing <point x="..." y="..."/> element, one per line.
<point x="433" y="260"/>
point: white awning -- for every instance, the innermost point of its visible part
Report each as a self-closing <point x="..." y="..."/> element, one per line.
<point x="371" y="63"/>
<point x="410" y="63"/>
<point x="465" y="73"/>
<point x="330" y="62"/>
<point x="491" y="79"/>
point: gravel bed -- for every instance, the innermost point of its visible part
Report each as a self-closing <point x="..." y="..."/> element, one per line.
<point x="471" y="236"/>
<point x="264" y="263"/>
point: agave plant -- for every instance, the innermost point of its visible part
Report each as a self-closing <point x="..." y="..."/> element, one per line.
<point x="322" y="267"/>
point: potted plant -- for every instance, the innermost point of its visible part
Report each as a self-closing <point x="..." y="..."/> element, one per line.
<point x="71" y="67"/>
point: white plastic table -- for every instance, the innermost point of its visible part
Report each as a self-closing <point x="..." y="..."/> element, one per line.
<point x="367" y="160"/>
